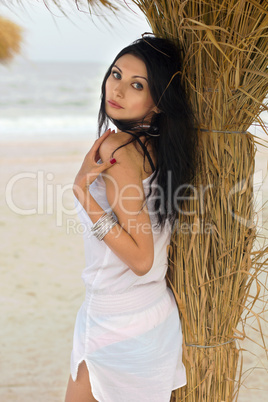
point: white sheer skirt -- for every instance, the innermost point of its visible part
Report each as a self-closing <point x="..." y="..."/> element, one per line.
<point x="131" y="344"/>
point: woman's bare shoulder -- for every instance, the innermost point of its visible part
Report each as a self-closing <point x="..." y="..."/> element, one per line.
<point x="112" y="142"/>
<point x="129" y="157"/>
<point x="112" y="147"/>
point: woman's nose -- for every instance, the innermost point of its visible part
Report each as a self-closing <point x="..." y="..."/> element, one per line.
<point x="119" y="90"/>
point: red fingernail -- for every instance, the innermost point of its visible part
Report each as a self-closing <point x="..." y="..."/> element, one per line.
<point x="112" y="161"/>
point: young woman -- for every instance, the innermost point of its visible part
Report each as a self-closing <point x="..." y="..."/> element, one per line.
<point x="127" y="343"/>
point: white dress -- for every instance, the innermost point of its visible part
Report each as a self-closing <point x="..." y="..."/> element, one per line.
<point x="128" y="329"/>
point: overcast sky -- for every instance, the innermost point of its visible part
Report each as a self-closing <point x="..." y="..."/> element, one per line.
<point x="51" y="36"/>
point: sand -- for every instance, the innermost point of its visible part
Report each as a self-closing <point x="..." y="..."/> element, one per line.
<point x="42" y="259"/>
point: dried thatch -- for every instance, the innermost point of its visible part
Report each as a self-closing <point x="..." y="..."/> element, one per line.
<point x="10" y="39"/>
<point x="81" y="5"/>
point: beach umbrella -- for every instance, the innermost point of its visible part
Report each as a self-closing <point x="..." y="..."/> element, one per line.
<point x="213" y="267"/>
<point x="10" y="39"/>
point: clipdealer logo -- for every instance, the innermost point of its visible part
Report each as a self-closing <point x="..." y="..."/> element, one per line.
<point x="49" y="198"/>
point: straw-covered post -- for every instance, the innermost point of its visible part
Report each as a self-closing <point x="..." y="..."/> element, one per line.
<point x="210" y="265"/>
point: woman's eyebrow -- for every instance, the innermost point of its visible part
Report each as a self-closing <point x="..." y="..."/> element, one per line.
<point x="134" y="76"/>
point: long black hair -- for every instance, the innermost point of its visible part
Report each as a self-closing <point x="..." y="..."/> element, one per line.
<point x="172" y="131"/>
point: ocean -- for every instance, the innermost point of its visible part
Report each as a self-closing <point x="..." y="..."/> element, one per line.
<point x="49" y="100"/>
<point x="52" y="100"/>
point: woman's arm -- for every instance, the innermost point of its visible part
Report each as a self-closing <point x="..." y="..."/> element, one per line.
<point x="131" y="239"/>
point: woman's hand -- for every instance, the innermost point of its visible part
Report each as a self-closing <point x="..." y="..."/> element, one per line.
<point x="90" y="169"/>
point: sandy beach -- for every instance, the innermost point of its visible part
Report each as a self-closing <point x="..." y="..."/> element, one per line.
<point x="42" y="258"/>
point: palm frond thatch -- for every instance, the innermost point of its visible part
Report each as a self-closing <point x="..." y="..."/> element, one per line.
<point x="81" y="5"/>
<point x="10" y="39"/>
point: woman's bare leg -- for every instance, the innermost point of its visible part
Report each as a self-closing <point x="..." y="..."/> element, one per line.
<point x="80" y="390"/>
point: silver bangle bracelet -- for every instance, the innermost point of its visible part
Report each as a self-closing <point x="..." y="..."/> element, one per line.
<point x="103" y="225"/>
<point x="99" y="221"/>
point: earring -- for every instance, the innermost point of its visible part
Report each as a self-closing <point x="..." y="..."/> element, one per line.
<point x="153" y="130"/>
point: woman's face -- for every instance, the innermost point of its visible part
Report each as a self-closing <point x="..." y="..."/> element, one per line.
<point x="127" y="92"/>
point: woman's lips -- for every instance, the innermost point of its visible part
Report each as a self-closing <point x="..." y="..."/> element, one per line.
<point x="114" y="104"/>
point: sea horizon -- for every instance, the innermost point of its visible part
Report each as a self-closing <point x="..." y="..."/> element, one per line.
<point x="41" y="100"/>
<point x="53" y="100"/>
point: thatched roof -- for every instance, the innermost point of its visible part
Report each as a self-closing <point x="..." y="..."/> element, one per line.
<point x="10" y="39"/>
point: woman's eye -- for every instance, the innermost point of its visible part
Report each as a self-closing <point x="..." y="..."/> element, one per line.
<point x="116" y="75"/>
<point x="138" y="85"/>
